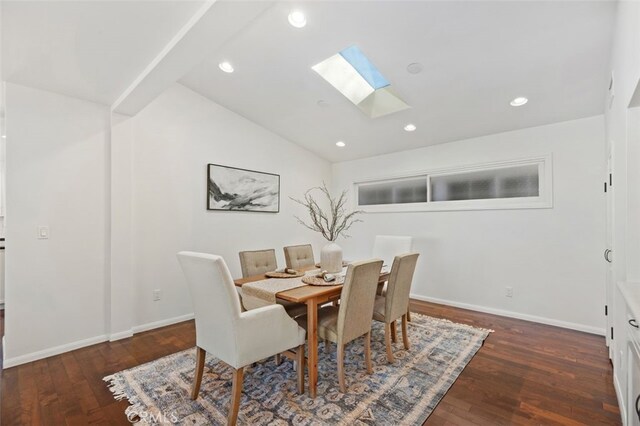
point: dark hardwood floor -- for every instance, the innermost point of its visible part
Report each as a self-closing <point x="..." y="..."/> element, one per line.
<point x="528" y="373"/>
<point x="525" y="373"/>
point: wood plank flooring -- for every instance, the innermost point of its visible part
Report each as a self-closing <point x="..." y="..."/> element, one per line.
<point x="525" y="373"/>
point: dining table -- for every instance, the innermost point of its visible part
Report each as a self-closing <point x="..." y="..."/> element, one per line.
<point x="313" y="297"/>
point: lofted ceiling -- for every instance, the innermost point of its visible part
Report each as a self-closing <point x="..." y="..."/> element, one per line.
<point x="91" y="50"/>
<point x="476" y="56"/>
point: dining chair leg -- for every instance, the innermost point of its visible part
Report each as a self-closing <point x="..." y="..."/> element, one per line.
<point x="278" y="359"/>
<point x="201" y="354"/>
<point x="367" y="352"/>
<point x="300" y="365"/>
<point x="326" y="346"/>
<point x="394" y="332"/>
<point x="312" y="346"/>
<point x="343" y="388"/>
<point x="236" y="394"/>
<point x="405" y="336"/>
<point x="387" y="341"/>
<point x="408" y="315"/>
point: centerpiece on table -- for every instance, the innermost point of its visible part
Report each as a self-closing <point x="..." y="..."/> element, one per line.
<point x="332" y="222"/>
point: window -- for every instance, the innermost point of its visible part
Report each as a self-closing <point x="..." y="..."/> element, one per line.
<point x="511" y="184"/>
<point x="508" y="182"/>
<point x="399" y="191"/>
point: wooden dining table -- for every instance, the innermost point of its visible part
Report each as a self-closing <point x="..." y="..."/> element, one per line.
<point x="313" y="297"/>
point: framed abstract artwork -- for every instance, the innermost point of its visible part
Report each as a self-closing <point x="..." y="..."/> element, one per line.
<point x="234" y="189"/>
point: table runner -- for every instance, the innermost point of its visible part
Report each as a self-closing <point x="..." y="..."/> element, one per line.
<point x="263" y="293"/>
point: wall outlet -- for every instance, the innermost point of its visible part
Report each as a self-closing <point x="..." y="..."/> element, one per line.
<point x="43" y="232"/>
<point x="508" y="291"/>
<point x="156" y="294"/>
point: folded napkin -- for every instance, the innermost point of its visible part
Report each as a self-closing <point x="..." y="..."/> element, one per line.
<point x="284" y="271"/>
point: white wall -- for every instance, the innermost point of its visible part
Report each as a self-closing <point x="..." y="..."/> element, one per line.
<point x="625" y="66"/>
<point x="623" y="133"/>
<point x="551" y="257"/>
<point x="55" y="288"/>
<point x="120" y="250"/>
<point x="121" y="197"/>
<point x="175" y="137"/>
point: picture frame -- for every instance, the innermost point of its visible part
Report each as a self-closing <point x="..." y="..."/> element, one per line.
<point x="243" y="190"/>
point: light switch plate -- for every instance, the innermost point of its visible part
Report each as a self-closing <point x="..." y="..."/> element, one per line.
<point x="43" y="232"/>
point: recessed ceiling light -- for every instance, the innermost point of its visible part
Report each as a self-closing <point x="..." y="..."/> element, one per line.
<point x="297" y="19"/>
<point x="519" y="101"/>
<point x="341" y="144"/>
<point x="414" y="68"/>
<point x="226" y="67"/>
<point x="410" y="127"/>
<point x="4" y="136"/>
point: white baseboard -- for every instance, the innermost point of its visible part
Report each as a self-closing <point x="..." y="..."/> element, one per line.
<point x="511" y="314"/>
<point x="149" y="326"/>
<point x="56" y="350"/>
<point x="621" y="400"/>
<point x="162" y="323"/>
<point x="121" y="335"/>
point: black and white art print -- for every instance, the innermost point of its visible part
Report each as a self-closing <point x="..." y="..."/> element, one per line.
<point x="234" y="189"/>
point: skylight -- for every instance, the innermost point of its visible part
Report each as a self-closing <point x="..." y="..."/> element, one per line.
<point x="355" y="76"/>
<point x="365" y="68"/>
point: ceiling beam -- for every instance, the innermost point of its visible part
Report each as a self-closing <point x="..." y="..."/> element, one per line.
<point x="209" y="28"/>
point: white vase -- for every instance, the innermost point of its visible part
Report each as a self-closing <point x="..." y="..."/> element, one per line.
<point x="331" y="258"/>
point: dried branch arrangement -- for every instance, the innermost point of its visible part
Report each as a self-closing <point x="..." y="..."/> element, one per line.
<point x="331" y="225"/>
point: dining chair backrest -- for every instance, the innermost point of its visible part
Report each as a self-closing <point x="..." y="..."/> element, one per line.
<point x="386" y="247"/>
<point x="299" y="256"/>
<point x="357" y="300"/>
<point x="215" y="302"/>
<point x="257" y="262"/>
<point x="399" y="286"/>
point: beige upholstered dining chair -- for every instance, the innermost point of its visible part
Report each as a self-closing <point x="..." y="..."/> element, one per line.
<point x="352" y="319"/>
<point x="257" y="262"/>
<point x="387" y="247"/>
<point x="299" y="256"/>
<point x="395" y="303"/>
<point x="236" y="338"/>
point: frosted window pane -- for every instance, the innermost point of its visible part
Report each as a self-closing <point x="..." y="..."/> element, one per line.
<point x="393" y="192"/>
<point x="509" y="182"/>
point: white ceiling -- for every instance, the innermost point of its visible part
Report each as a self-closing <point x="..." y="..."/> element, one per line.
<point x="92" y="50"/>
<point x="477" y="56"/>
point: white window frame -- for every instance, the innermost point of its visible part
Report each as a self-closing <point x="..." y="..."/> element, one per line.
<point x="544" y="200"/>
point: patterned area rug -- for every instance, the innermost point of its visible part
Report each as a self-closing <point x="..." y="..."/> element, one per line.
<point x="403" y="393"/>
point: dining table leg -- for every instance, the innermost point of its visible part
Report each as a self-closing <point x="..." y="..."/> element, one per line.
<point x="312" y="345"/>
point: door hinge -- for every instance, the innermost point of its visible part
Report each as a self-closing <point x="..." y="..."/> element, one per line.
<point x="606" y="310"/>
<point x="610" y="179"/>
<point x="611" y="333"/>
<point x="605" y="187"/>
